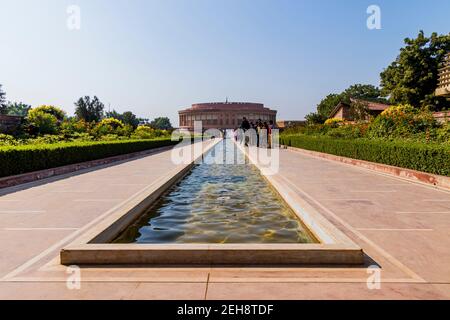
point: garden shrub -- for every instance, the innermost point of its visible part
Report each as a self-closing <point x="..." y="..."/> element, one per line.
<point x="125" y="131"/>
<point x="442" y="134"/>
<point x="83" y="136"/>
<point x="7" y="140"/>
<point x="107" y="126"/>
<point x="334" y="122"/>
<point x="403" y="121"/>
<point x="317" y="129"/>
<point x="72" y="126"/>
<point x="110" y="137"/>
<point x="433" y="158"/>
<point x="28" y="158"/>
<point x="47" y="139"/>
<point x="112" y="122"/>
<point x="144" y="132"/>
<point x="43" y="123"/>
<point x="58" y="113"/>
<point x="346" y="131"/>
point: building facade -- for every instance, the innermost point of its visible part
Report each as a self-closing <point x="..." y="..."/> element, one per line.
<point x="343" y="110"/>
<point x="224" y="115"/>
<point x="9" y="124"/>
<point x="284" y="124"/>
<point x="443" y="88"/>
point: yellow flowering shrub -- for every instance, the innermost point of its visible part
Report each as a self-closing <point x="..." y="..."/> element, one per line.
<point x="334" y="122"/>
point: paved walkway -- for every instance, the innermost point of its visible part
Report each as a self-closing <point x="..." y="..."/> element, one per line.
<point x="403" y="227"/>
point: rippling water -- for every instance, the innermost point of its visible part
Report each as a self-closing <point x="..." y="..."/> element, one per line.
<point x="219" y="203"/>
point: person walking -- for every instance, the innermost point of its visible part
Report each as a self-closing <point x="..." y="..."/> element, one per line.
<point x="259" y="127"/>
<point x="271" y="127"/>
<point x="245" y="126"/>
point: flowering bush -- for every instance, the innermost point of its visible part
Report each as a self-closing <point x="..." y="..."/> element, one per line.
<point x="107" y="126"/>
<point x="334" y="122"/>
<point x="401" y="121"/>
<point x="58" y="113"/>
<point x="112" y="122"/>
<point x="146" y="132"/>
<point x="42" y="122"/>
<point x="71" y="126"/>
<point x="397" y="122"/>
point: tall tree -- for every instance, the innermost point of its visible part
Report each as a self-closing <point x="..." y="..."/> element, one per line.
<point x="130" y="118"/>
<point x="127" y="117"/>
<point x="162" y="123"/>
<point x="315" y="118"/>
<point x="363" y="92"/>
<point x="326" y="106"/>
<point x="357" y="91"/>
<point x="113" y="114"/>
<point x="88" y="109"/>
<point x="17" y="109"/>
<point x="413" y="77"/>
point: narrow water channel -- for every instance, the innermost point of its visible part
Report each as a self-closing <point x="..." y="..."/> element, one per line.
<point x="219" y="203"/>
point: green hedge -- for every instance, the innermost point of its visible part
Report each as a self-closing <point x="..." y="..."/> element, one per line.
<point x="432" y="158"/>
<point x="28" y="158"/>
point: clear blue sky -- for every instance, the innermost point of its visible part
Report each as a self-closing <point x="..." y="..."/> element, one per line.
<point x="154" y="57"/>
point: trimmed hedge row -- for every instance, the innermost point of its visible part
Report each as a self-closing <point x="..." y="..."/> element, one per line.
<point x="28" y="158"/>
<point x="431" y="158"/>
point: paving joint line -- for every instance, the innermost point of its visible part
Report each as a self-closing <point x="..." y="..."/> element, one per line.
<point x="357" y="233"/>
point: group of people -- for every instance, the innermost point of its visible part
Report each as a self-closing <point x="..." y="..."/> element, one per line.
<point x="259" y="133"/>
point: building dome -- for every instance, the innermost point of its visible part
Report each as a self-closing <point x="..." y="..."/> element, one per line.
<point x="224" y="115"/>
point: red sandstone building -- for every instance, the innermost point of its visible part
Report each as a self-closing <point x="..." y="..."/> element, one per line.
<point x="224" y="115"/>
<point x="343" y="110"/>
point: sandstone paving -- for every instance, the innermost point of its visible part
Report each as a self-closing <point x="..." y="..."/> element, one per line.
<point x="403" y="227"/>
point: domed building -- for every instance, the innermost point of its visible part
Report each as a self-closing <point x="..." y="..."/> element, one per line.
<point x="224" y="115"/>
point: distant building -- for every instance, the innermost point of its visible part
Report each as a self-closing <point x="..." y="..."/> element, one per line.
<point x="443" y="88"/>
<point x="224" y="115"/>
<point x="9" y="124"/>
<point x="283" y="124"/>
<point x="343" y="110"/>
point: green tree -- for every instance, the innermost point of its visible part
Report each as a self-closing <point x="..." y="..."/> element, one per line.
<point x="315" y="118"/>
<point x="362" y="92"/>
<point x="143" y="121"/>
<point x="327" y="105"/>
<point x="162" y="123"/>
<point x="113" y="114"/>
<point x="88" y="109"/>
<point x="357" y="91"/>
<point x="128" y="117"/>
<point x="16" y="109"/>
<point x="413" y="77"/>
